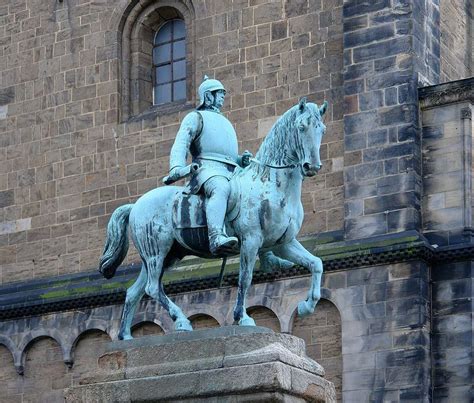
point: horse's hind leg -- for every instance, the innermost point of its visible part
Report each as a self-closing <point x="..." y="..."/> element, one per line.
<point x="155" y="289"/>
<point x="134" y="295"/>
<point x="154" y="244"/>
<point x="181" y="322"/>
<point x="295" y="252"/>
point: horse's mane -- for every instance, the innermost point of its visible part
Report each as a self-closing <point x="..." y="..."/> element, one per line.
<point x="283" y="137"/>
<point x="279" y="139"/>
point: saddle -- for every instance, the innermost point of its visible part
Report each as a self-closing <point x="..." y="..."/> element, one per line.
<point x="189" y="219"/>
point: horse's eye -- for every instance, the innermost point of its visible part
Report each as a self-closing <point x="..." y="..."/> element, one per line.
<point x="301" y="127"/>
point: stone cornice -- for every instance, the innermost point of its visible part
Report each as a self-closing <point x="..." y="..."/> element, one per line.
<point x="442" y="94"/>
<point x="89" y="290"/>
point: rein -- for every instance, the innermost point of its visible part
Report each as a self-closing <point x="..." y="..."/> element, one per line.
<point x="291" y="166"/>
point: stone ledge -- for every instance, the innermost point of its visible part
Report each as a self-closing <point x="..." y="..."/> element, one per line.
<point x="87" y="290"/>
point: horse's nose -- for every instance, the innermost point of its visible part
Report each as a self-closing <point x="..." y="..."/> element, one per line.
<point x="311" y="170"/>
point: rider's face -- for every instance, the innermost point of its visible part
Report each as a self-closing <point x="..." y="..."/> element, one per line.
<point x="219" y="98"/>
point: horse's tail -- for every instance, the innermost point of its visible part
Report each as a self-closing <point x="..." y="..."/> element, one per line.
<point x="116" y="244"/>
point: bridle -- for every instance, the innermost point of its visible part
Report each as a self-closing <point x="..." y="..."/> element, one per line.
<point x="290" y="166"/>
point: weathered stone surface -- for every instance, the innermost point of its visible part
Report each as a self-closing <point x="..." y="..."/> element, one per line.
<point x="206" y="364"/>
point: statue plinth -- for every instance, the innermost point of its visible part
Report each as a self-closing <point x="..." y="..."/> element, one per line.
<point x="226" y="364"/>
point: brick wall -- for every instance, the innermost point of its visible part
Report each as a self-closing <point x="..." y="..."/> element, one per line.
<point x="67" y="162"/>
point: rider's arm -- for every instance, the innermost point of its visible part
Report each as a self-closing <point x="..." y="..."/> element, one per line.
<point x="190" y="128"/>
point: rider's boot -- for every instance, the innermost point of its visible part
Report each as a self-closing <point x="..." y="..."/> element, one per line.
<point x="219" y="243"/>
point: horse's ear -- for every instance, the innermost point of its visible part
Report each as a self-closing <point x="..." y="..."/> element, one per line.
<point x="302" y="104"/>
<point x="323" y="108"/>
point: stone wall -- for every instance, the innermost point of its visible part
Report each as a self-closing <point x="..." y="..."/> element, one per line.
<point x="447" y="162"/>
<point x="453" y="337"/>
<point x="389" y="52"/>
<point x="46" y="375"/>
<point x="456" y="39"/>
<point x="371" y="330"/>
<point x="67" y="162"/>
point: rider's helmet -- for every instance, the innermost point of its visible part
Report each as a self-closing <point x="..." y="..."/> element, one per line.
<point x="208" y="84"/>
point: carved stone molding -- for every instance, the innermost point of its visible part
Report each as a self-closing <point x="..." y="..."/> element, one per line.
<point x="452" y="92"/>
<point x="466" y="113"/>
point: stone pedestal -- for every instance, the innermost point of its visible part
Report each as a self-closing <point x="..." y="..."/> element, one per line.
<point x="228" y="364"/>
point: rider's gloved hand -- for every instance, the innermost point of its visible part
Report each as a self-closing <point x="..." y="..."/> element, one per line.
<point x="246" y="155"/>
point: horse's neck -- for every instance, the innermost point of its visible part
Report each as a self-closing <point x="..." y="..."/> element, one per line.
<point x="286" y="180"/>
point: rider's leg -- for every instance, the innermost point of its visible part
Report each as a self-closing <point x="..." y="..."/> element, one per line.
<point x="217" y="190"/>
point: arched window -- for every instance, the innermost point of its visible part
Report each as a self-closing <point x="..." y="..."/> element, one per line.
<point x="169" y="63"/>
<point x="157" y="58"/>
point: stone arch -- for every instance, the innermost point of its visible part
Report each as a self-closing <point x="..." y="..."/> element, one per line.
<point x="203" y="321"/>
<point x="8" y="375"/>
<point x="90" y="325"/>
<point x="265" y="317"/>
<point x="147" y="328"/>
<point x="322" y="333"/>
<point x="88" y="347"/>
<point x="8" y="344"/>
<point x="134" y="23"/>
<point x="45" y="373"/>
<point x="33" y="336"/>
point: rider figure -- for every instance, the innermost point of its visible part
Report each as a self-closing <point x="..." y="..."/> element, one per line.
<point x="212" y="142"/>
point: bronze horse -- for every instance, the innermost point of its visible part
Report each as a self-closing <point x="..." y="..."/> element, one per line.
<point x="267" y="216"/>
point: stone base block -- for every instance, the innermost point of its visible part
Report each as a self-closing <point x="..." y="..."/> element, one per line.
<point x="229" y="364"/>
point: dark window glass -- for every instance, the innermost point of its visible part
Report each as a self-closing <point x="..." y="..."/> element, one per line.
<point x="162" y="94"/>
<point x="162" y="53"/>
<point x="169" y="60"/>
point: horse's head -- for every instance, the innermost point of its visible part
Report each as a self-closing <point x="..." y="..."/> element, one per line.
<point x="311" y="130"/>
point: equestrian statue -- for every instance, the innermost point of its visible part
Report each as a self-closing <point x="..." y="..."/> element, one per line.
<point x="232" y="204"/>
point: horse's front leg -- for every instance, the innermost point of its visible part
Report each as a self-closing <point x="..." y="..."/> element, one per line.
<point x="295" y="252"/>
<point x="248" y="256"/>
<point x="270" y="262"/>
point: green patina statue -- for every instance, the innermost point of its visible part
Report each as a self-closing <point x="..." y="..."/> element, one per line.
<point x="212" y="142"/>
<point x="232" y="204"/>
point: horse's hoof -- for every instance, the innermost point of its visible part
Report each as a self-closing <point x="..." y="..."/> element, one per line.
<point x="125" y="337"/>
<point x="304" y="308"/>
<point x="183" y="326"/>
<point x="248" y="321"/>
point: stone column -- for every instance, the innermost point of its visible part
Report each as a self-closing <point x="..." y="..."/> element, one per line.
<point x="390" y="48"/>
